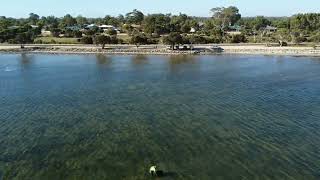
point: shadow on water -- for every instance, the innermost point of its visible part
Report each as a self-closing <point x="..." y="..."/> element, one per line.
<point x="102" y="59"/>
<point x="177" y="63"/>
<point x="181" y="59"/>
<point x="140" y="60"/>
<point x="25" y="60"/>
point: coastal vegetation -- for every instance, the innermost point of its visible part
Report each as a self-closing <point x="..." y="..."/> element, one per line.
<point x="226" y="25"/>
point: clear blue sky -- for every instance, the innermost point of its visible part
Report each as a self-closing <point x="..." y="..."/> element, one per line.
<point x="100" y="8"/>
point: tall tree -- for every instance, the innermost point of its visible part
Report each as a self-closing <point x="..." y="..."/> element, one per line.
<point x="157" y="23"/>
<point x="102" y="40"/>
<point x="225" y="16"/>
<point x="68" y="20"/>
<point x="111" y="21"/>
<point x="135" y="17"/>
<point x="260" y="22"/>
<point x="24" y="38"/>
<point x="33" y="18"/>
<point x="139" y="39"/>
<point x="172" y="39"/>
<point x="81" y="20"/>
<point x="4" y="22"/>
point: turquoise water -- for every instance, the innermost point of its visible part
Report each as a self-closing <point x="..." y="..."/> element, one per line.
<point x="202" y="117"/>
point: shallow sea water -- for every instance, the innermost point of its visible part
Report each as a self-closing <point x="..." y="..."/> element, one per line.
<point x="195" y="117"/>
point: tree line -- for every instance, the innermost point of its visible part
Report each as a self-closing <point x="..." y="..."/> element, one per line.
<point x="226" y="25"/>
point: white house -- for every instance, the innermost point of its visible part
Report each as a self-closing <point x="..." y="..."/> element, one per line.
<point x="91" y="26"/>
<point x="45" y="33"/>
<point x="34" y="26"/>
<point x="270" y="29"/>
<point x="106" y="27"/>
<point x="193" y="30"/>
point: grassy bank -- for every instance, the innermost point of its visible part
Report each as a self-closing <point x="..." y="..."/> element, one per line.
<point x="56" y="40"/>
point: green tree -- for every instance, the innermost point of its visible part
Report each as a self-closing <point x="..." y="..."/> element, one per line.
<point x="102" y="40"/>
<point x="77" y="34"/>
<point x="68" y="20"/>
<point x="135" y="17"/>
<point x="238" y="38"/>
<point x="196" y="39"/>
<point x="185" y="28"/>
<point x="225" y="16"/>
<point x="4" y="23"/>
<point x="121" y="19"/>
<point x="157" y="23"/>
<point x="182" y="23"/>
<point x="172" y="39"/>
<point x="55" y="32"/>
<point x="33" y="18"/>
<point x="50" y="22"/>
<point x="109" y="20"/>
<point x="81" y="20"/>
<point x="260" y="22"/>
<point x="86" y="40"/>
<point x="24" y="38"/>
<point x="111" y="32"/>
<point x="114" y="39"/>
<point x="139" y="39"/>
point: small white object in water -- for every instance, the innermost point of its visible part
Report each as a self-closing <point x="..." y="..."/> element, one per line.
<point x="7" y="69"/>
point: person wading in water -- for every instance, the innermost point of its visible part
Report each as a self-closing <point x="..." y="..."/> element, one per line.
<point x="153" y="171"/>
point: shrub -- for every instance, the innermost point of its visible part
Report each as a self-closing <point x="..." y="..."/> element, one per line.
<point x="315" y="38"/>
<point x="111" y="32"/>
<point x="114" y="39"/>
<point x="38" y="41"/>
<point x="238" y="38"/>
<point x="77" y="34"/>
<point x="53" y="41"/>
<point x="86" y="40"/>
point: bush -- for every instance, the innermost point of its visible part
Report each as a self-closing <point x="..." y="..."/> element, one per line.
<point x="194" y="39"/>
<point x="86" y="40"/>
<point x="77" y="34"/>
<point x="53" y="41"/>
<point x="114" y="39"/>
<point x="55" y="32"/>
<point x="238" y="38"/>
<point x="38" y="41"/>
<point x="89" y="32"/>
<point x="213" y="39"/>
<point x="139" y="39"/>
<point x="111" y="32"/>
<point x="315" y="38"/>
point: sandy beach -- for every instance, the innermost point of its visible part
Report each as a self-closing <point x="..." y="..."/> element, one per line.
<point x="254" y="49"/>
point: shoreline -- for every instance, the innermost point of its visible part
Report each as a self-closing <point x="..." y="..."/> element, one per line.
<point x="240" y="49"/>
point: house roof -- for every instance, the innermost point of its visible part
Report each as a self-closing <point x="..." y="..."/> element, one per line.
<point x="74" y="28"/>
<point x="91" y="25"/>
<point x="270" y="28"/>
<point x="235" y="27"/>
<point x="13" y="27"/>
<point x="106" y="26"/>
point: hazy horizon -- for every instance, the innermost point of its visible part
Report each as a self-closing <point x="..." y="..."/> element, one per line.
<point x="101" y="8"/>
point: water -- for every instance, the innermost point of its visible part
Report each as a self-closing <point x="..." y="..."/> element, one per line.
<point x="203" y="117"/>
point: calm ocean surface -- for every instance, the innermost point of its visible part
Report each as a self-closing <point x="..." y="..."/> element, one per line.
<point x="92" y="117"/>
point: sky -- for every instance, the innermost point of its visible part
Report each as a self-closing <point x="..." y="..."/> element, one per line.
<point x="100" y="8"/>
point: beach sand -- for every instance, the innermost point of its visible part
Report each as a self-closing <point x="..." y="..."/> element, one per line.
<point x="160" y="49"/>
